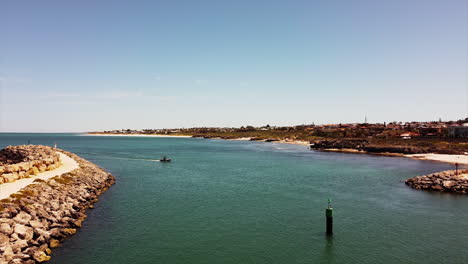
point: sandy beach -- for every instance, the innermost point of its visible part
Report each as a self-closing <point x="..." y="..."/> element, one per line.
<point x="241" y="139"/>
<point x="137" y="135"/>
<point x="295" y="142"/>
<point x="448" y="158"/>
<point x="68" y="164"/>
<point x="460" y="159"/>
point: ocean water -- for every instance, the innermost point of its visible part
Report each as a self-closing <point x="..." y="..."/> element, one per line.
<point x="252" y="202"/>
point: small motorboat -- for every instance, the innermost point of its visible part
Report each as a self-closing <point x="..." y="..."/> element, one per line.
<point x="165" y="159"/>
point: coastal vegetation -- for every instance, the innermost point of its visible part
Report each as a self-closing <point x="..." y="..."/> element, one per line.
<point x="450" y="137"/>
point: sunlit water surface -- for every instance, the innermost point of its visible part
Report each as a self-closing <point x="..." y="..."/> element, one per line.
<point x="251" y="202"/>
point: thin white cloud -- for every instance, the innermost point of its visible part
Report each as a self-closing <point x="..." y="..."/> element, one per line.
<point x="100" y="95"/>
<point x="103" y="97"/>
<point x="61" y="95"/>
<point x="121" y="94"/>
<point x="243" y="84"/>
<point x="200" y="81"/>
<point x="73" y="102"/>
<point x="12" y="81"/>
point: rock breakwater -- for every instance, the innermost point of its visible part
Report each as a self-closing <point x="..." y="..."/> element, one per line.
<point x="448" y="181"/>
<point x="18" y="162"/>
<point x="37" y="218"/>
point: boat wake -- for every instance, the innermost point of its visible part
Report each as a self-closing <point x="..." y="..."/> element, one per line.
<point x="121" y="158"/>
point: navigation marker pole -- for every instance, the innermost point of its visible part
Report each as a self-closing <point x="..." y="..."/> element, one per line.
<point x="329" y="216"/>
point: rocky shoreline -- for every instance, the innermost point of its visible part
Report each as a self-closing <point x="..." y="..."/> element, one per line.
<point x="361" y="145"/>
<point x="37" y="218"/>
<point x="18" y="162"/>
<point x="445" y="181"/>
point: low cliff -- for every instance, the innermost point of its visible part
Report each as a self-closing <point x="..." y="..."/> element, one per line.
<point x="366" y="146"/>
<point x="38" y="217"/>
<point x="357" y="144"/>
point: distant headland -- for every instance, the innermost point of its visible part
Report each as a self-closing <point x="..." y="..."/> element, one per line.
<point x="399" y="138"/>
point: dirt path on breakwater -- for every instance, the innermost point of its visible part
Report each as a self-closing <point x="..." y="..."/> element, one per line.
<point x="68" y="164"/>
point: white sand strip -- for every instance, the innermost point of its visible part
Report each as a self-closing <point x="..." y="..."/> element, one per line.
<point x="460" y="159"/>
<point x="68" y="164"/>
<point x="295" y="142"/>
<point x="135" y="135"/>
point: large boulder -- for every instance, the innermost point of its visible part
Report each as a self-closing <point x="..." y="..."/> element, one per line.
<point x="41" y="256"/>
<point x="22" y="218"/>
<point x="4" y="239"/>
<point x="7" y="252"/>
<point x="19" y="245"/>
<point x="6" y="229"/>
<point x="448" y="184"/>
<point x="54" y="243"/>
<point x="36" y="224"/>
<point x="23" y="232"/>
<point x="10" y="177"/>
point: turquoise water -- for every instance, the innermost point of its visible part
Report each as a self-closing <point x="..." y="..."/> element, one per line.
<point x="249" y="202"/>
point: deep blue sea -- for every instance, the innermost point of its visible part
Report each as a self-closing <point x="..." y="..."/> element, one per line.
<point x="253" y="202"/>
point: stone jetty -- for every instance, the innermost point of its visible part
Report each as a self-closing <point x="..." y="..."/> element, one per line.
<point x="447" y="181"/>
<point x="18" y="162"/>
<point x="39" y="216"/>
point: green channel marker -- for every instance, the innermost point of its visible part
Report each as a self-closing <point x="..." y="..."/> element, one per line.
<point x="329" y="216"/>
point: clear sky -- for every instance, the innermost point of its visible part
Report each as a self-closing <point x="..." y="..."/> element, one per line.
<point x="95" y="65"/>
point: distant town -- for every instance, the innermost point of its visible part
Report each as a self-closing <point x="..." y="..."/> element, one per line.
<point x="403" y="130"/>
<point x="447" y="137"/>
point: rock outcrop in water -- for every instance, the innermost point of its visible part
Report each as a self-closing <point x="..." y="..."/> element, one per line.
<point x="447" y="181"/>
<point x="38" y="217"/>
<point x="17" y="162"/>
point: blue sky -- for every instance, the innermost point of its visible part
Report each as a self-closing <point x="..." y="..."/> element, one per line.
<point x="95" y="65"/>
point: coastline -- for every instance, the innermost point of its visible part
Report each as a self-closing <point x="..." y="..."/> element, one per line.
<point x="135" y="135"/>
<point x="293" y="142"/>
<point x="445" y="158"/>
